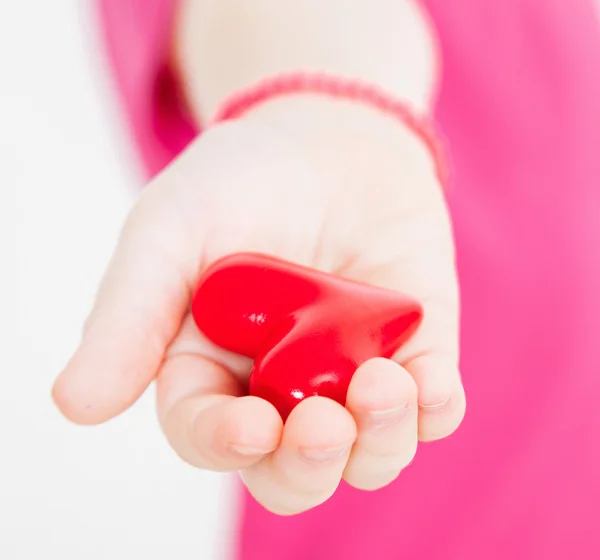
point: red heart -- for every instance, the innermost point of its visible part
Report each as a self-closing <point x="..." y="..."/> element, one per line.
<point x="306" y="330"/>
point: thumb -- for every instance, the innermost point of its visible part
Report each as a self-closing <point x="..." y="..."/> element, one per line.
<point x="138" y="310"/>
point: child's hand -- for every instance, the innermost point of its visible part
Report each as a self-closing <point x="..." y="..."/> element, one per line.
<point x="337" y="187"/>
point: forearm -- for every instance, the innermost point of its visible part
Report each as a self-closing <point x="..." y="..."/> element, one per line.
<point x="224" y="45"/>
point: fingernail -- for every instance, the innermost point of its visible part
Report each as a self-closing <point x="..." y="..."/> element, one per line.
<point x="434" y="407"/>
<point x="249" y="450"/>
<point x="389" y="416"/>
<point x="326" y="455"/>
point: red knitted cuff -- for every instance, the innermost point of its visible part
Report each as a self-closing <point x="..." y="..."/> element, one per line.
<point x="340" y="88"/>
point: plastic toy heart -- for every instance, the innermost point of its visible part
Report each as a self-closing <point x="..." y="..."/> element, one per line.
<point x="307" y="331"/>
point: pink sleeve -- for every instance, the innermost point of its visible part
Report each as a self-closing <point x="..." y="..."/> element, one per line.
<point x="137" y="34"/>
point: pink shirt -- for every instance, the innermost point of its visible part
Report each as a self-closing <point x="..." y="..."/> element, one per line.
<point x="520" y="105"/>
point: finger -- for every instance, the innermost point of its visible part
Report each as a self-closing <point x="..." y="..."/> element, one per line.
<point x="205" y="422"/>
<point x="383" y="400"/>
<point x="137" y="312"/>
<point x="431" y="358"/>
<point x="425" y="269"/>
<point x="443" y="406"/>
<point x="307" y="467"/>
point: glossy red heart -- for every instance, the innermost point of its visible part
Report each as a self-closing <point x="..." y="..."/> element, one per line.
<point x="307" y="331"/>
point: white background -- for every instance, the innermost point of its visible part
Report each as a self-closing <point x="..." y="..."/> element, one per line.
<point x="66" y="182"/>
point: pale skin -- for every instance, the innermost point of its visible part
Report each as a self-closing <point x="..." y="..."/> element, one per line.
<point x="329" y="184"/>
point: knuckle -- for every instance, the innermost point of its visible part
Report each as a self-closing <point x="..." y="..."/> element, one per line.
<point x="445" y="422"/>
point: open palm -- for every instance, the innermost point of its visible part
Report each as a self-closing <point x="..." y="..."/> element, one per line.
<point x="244" y="187"/>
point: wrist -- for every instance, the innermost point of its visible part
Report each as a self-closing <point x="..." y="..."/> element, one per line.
<point x="353" y="144"/>
<point x="222" y="46"/>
